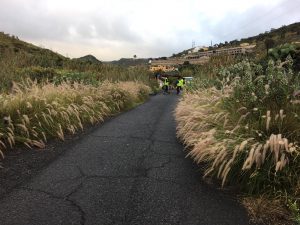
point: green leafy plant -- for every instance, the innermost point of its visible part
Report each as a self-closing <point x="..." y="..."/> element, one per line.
<point x="246" y="132"/>
<point x="295" y="209"/>
<point x="282" y="51"/>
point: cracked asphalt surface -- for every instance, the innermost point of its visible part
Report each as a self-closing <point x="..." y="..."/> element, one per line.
<point x="130" y="170"/>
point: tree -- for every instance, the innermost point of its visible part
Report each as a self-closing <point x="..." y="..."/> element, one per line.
<point x="134" y="56"/>
<point x="269" y="43"/>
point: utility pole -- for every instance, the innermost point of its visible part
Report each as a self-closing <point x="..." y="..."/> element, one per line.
<point x="193" y="44"/>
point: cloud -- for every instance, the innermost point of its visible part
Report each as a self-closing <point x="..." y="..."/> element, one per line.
<point x="39" y="23"/>
<point x="251" y="22"/>
<point x="116" y="28"/>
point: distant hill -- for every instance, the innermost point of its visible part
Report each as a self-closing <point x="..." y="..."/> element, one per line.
<point x="129" y="62"/>
<point x="89" y="59"/>
<point x="284" y="34"/>
<point x="11" y="45"/>
<point x="26" y="54"/>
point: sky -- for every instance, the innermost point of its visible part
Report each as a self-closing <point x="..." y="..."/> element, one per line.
<point x="114" y="29"/>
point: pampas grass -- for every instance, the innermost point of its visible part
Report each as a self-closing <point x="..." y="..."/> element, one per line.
<point x="33" y="113"/>
<point x="217" y="141"/>
<point x="246" y="132"/>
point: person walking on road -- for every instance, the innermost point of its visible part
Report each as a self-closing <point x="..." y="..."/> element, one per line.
<point x="179" y="84"/>
<point x="166" y="86"/>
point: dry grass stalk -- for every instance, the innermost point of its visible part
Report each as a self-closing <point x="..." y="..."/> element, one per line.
<point x="32" y="113"/>
<point x="199" y="117"/>
<point x="261" y="213"/>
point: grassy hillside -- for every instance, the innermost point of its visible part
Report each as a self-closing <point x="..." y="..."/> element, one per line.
<point x="45" y="95"/>
<point x="32" y="55"/>
<point x="130" y="62"/>
<point x="89" y="59"/>
<point x="20" y="60"/>
<point x="282" y="35"/>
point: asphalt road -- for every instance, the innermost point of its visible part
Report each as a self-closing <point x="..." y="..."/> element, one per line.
<point x="130" y="170"/>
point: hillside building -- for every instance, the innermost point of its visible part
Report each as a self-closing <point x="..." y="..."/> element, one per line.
<point x="245" y="48"/>
<point x="170" y="64"/>
<point x="197" y="57"/>
<point x="155" y="66"/>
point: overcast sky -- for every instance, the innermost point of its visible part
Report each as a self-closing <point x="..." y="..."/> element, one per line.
<point x="112" y="29"/>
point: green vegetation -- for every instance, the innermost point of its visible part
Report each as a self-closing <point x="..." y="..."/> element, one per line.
<point x="269" y="43"/>
<point x="282" y="51"/>
<point x="20" y="60"/>
<point x="89" y="59"/>
<point x="242" y="122"/>
<point x="33" y="113"/>
<point x="130" y="62"/>
<point x="45" y="95"/>
<point x="263" y="41"/>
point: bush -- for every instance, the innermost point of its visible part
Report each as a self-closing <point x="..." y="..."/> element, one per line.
<point x="74" y="76"/>
<point x="33" y="113"/>
<point x="247" y="132"/>
<point x="38" y="73"/>
<point x="282" y="51"/>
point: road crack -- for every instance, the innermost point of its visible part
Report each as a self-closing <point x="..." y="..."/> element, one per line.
<point x="163" y="165"/>
<point x="66" y="198"/>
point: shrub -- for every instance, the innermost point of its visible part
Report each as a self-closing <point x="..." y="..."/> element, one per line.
<point x="74" y="76"/>
<point x="247" y="132"/>
<point x="38" y="73"/>
<point x="282" y="51"/>
<point x="33" y="113"/>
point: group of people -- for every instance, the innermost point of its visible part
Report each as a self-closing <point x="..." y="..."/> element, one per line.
<point x="178" y="84"/>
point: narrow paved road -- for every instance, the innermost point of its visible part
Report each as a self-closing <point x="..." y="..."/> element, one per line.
<point x="131" y="170"/>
